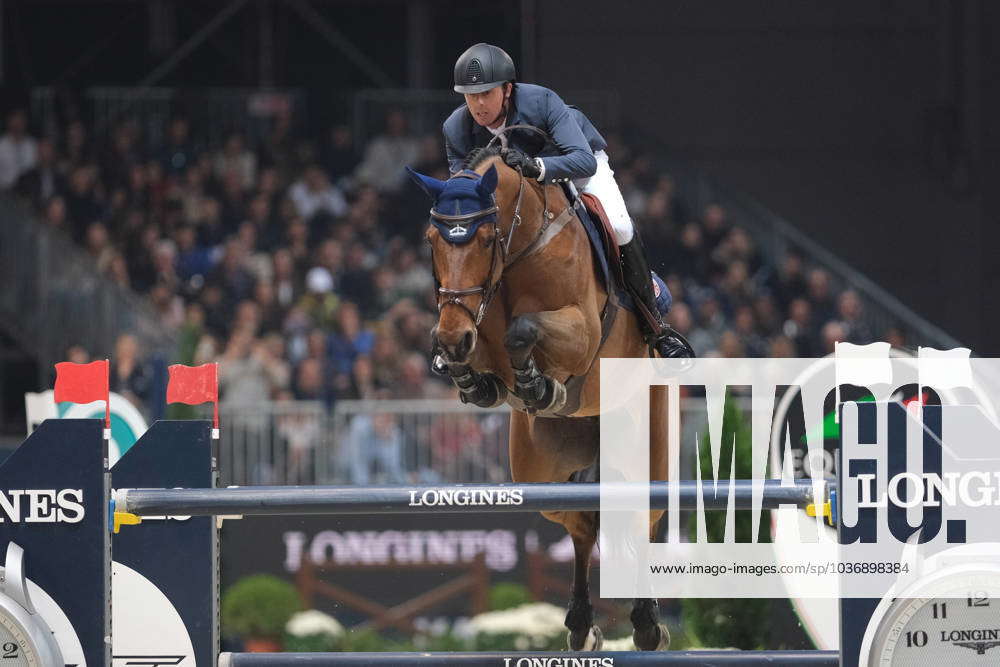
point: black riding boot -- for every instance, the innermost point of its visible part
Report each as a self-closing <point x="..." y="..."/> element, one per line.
<point x="639" y="280"/>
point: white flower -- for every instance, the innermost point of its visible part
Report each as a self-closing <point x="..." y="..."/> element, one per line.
<point x="536" y="620"/>
<point x="623" y="644"/>
<point x="313" y="622"/>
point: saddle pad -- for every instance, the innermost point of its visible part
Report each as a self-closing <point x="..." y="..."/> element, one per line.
<point x="599" y="244"/>
<point x="602" y="240"/>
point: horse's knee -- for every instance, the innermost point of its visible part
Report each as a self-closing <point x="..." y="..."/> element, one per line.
<point x="523" y="334"/>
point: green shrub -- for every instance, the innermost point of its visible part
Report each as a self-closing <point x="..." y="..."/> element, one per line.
<point x="259" y="606"/>
<point x="508" y="595"/>
<point x="731" y="622"/>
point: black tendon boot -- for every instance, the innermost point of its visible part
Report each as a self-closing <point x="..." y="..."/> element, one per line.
<point x="667" y="342"/>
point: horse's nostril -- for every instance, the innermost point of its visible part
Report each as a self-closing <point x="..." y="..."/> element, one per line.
<point x="467" y="342"/>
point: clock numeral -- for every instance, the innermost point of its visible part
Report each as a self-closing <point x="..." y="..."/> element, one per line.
<point x="940" y="610"/>
<point x="918" y="639"/>
<point x="979" y="599"/>
<point x="10" y="650"/>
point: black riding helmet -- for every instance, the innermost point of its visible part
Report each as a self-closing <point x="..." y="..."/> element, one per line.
<point x="481" y="67"/>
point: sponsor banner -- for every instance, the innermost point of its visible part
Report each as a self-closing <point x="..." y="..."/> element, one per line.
<point x="391" y="558"/>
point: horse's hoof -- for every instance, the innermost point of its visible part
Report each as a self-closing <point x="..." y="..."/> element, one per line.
<point x="592" y="641"/>
<point x="661" y="642"/>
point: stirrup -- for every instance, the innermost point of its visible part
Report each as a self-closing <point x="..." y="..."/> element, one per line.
<point x="670" y="344"/>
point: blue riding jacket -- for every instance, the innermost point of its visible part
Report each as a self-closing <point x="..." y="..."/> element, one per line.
<point x="575" y="137"/>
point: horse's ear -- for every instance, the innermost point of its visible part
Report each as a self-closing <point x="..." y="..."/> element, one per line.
<point x="432" y="186"/>
<point x="488" y="182"/>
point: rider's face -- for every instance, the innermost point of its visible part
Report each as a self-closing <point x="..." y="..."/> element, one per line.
<point x="487" y="106"/>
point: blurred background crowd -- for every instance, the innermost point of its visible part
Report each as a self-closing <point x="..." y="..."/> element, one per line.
<point x="297" y="261"/>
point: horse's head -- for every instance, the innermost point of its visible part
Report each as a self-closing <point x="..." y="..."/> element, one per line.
<point x="467" y="255"/>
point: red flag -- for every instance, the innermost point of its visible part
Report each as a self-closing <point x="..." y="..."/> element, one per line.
<point x="84" y="383"/>
<point x="194" y="385"/>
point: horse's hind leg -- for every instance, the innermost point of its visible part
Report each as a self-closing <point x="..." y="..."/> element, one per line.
<point x="648" y="633"/>
<point x="583" y="634"/>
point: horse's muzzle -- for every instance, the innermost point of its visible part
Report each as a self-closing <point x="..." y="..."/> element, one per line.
<point x="456" y="349"/>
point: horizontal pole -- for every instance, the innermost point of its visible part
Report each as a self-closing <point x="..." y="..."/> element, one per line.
<point x="445" y="499"/>
<point x="517" y="659"/>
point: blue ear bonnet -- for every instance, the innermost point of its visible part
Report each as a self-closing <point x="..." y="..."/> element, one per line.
<point x="460" y="196"/>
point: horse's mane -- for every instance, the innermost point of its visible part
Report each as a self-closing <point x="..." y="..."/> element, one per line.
<point x="477" y="156"/>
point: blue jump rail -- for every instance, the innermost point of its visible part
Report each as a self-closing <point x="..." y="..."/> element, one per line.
<point x="516" y="659"/>
<point x="445" y="499"/>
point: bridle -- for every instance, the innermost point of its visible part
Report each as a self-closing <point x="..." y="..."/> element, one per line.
<point x="501" y="257"/>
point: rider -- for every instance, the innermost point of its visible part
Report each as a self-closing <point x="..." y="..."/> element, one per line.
<point x="493" y="100"/>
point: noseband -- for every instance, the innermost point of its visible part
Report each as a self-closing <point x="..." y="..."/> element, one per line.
<point x="502" y="243"/>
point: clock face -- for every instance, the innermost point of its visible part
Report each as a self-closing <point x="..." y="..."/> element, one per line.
<point x="16" y="649"/>
<point x="959" y="624"/>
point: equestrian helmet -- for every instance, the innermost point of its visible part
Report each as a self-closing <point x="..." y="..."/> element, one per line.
<point x="481" y="67"/>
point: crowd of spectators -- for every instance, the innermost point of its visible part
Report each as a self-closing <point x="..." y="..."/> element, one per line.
<point x="295" y="261"/>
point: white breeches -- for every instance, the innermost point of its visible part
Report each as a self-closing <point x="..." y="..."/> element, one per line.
<point x="603" y="186"/>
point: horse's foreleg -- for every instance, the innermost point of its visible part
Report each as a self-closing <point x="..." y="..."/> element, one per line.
<point x="583" y="634"/>
<point x="482" y="389"/>
<point x="561" y="339"/>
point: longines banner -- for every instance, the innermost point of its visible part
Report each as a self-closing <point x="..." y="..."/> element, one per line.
<point x="277" y="545"/>
<point x="918" y="475"/>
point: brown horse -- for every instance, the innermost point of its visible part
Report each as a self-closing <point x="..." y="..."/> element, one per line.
<point x="524" y="318"/>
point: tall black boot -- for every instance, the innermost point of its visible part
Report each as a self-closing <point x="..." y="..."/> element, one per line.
<point x="639" y="280"/>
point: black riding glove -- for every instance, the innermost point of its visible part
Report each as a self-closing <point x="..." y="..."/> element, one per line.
<point x="515" y="158"/>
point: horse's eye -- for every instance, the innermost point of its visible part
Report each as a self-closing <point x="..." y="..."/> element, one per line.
<point x="489" y="241"/>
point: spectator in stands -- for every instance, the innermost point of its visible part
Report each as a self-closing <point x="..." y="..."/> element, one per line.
<point x="350" y="340"/>
<point x="690" y="257"/>
<point x="168" y="306"/>
<point x="311" y="384"/>
<point x="849" y="311"/>
<point x="271" y="312"/>
<point x="235" y="158"/>
<point x="381" y="166"/>
<point x="338" y="153"/>
<point x="194" y="262"/>
<point x="710" y="326"/>
<point x="130" y="376"/>
<point x="78" y="150"/>
<point x="799" y="328"/>
<point x="821" y="295"/>
<point x="287" y="286"/>
<point x="179" y="153"/>
<point x="118" y="158"/>
<point x="98" y="245"/>
<point x="18" y="149"/>
<point x="373" y="450"/>
<point x="362" y="379"/>
<point x="243" y="377"/>
<point x="781" y="346"/>
<point x="320" y="302"/>
<point x="55" y="214"/>
<point x="766" y="314"/>
<point x="745" y="328"/>
<point x="82" y="204"/>
<point x="789" y="283"/>
<point x="833" y="332"/>
<point x="714" y="226"/>
<point x="314" y="194"/>
<point x="43" y="181"/>
<point x="895" y="337"/>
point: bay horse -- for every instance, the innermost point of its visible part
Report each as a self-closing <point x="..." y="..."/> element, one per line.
<point x="523" y="317"/>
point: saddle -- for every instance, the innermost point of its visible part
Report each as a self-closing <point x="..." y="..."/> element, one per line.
<point x="602" y="240"/>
